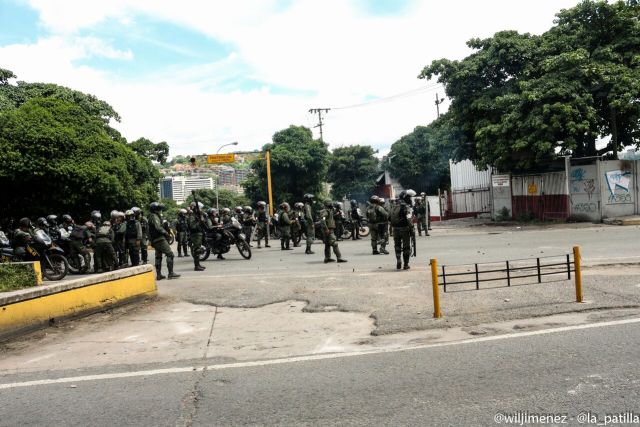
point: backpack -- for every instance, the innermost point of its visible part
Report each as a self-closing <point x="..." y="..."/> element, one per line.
<point x="372" y="215"/>
<point x="78" y="232"/>
<point x="396" y="215"/>
<point x="104" y="230"/>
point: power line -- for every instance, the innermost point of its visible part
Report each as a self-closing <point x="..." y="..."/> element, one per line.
<point x="407" y="94"/>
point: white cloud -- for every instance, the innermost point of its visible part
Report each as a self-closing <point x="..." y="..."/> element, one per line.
<point x="329" y="48"/>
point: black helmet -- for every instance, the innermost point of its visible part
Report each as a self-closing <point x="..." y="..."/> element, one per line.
<point x="156" y="207"/>
<point x="212" y="212"/>
<point x="182" y="212"/>
<point x="406" y="195"/>
<point x="42" y="222"/>
<point x="354" y="203"/>
<point x="96" y="216"/>
<point x="136" y="211"/>
<point x="52" y="220"/>
<point x="337" y="205"/>
<point x="25" y="222"/>
<point x="308" y="197"/>
<point x="67" y="218"/>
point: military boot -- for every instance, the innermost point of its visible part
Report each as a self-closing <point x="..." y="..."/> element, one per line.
<point x="197" y="266"/>
<point x="383" y="250"/>
<point x="287" y="245"/>
<point x="406" y="263"/>
<point x="398" y="263"/>
<point x="172" y="275"/>
<point x="308" y="251"/>
<point x="159" y="275"/>
<point x="338" y="254"/>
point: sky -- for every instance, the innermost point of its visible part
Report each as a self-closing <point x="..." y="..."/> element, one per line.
<point x="200" y="74"/>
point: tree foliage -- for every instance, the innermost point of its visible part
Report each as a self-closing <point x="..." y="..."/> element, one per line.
<point x="420" y="160"/>
<point x="519" y="99"/>
<point x="298" y="166"/>
<point x="59" y="155"/>
<point x="352" y="172"/>
<point x="154" y="152"/>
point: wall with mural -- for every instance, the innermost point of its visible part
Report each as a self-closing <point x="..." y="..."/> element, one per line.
<point x="617" y="188"/>
<point x="584" y="189"/>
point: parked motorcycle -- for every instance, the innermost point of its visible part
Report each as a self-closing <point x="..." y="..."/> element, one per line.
<point x="220" y="241"/>
<point x="52" y="260"/>
<point x="348" y="228"/>
<point x="76" y="262"/>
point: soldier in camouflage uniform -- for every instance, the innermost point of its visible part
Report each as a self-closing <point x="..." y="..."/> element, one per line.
<point x="195" y="221"/>
<point x="158" y="236"/>
<point x="181" y="235"/>
<point x="144" y="225"/>
<point x="134" y="237"/>
<point x="309" y="222"/>
<point x="400" y="216"/>
<point x="285" y="227"/>
<point x="262" y="225"/>
<point x="328" y="225"/>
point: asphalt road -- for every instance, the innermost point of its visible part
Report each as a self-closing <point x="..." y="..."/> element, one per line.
<point x="468" y="383"/>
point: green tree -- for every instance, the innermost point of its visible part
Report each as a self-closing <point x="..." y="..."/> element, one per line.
<point x="521" y="99"/>
<point x="352" y="172"/>
<point x="58" y="158"/>
<point x="155" y="152"/>
<point x="298" y="166"/>
<point x="420" y="160"/>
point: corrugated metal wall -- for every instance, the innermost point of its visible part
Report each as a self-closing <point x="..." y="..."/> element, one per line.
<point x="542" y="196"/>
<point x="465" y="176"/>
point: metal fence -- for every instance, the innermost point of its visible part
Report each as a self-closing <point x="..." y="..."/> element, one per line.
<point x="511" y="271"/>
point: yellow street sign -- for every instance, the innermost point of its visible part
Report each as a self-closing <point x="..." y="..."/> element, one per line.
<point x="221" y="158"/>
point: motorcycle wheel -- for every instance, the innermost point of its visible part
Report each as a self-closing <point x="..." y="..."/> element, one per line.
<point x="364" y="231"/>
<point x="55" y="267"/>
<point x="244" y="249"/>
<point x="204" y="253"/>
<point x="76" y="265"/>
<point x="346" y="232"/>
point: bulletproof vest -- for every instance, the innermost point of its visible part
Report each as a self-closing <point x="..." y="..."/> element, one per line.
<point x="131" y="232"/>
<point x="354" y="213"/>
<point x="144" y="224"/>
<point x="372" y="216"/>
<point x="154" y="233"/>
<point x="262" y="216"/>
<point x="181" y="225"/>
<point x="398" y="215"/>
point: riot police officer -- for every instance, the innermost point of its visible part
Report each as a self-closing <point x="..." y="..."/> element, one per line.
<point x="328" y="225"/>
<point x="401" y="214"/>
<point x="248" y="222"/>
<point x="144" y="225"/>
<point x="159" y="241"/>
<point x="309" y="222"/>
<point x="285" y="227"/>
<point x="196" y="232"/>
<point x="182" y="229"/>
<point x="133" y="236"/>
<point x="356" y="219"/>
<point x="262" y="225"/>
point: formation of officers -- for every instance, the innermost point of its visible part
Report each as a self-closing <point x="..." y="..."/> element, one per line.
<point x="122" y="239"/>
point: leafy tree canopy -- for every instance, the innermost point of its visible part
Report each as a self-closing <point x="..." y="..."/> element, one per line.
<point x="520" y="99"/>
<point x="352" y="172"/>
<point x="57" y="158"/>
<point x="298" y="166"/>
<point x="420" y="160"/>
<point x="154" y="152"/>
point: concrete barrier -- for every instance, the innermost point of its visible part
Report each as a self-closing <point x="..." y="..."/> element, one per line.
<point x="32" y="308"/>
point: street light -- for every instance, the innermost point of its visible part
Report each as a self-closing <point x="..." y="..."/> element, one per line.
<point x="218" y="181"/>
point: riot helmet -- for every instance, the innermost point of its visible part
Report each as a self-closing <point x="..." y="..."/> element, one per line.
<point x="52" y="220"/>
<point x="42" y="222"/>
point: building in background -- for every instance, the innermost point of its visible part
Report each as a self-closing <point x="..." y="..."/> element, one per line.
<point x="178" y="188"/>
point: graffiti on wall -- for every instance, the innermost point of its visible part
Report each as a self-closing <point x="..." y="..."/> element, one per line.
<point x="581" y="183"/>
<point x="618" y="183"/>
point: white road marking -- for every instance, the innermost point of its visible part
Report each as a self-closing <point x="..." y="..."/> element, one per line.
<point x="309" y="358"/>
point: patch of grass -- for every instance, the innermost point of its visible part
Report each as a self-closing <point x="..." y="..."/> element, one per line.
<point x="16" y="276"/>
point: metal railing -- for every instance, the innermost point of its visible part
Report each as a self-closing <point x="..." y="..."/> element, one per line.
<point x="522" y="270"/>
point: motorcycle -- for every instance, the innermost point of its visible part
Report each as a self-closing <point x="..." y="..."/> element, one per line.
<point x="52" y="260"/>
<point x="76" y="263"/>
<point x="349" y="226"/>
<point x="220" y="241"/>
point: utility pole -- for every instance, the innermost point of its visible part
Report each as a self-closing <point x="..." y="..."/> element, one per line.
<point x="438" y="102"/>
<point x="319" y="111"/>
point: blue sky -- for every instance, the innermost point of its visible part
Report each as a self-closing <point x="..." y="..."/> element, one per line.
<point x="200" y="73"/>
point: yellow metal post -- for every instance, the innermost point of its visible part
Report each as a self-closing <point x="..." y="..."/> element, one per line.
<point x="37" y="267"/>
<point x="436" y="288"/>
<point x="578" y="273"/>
<point x="268" y="158"/>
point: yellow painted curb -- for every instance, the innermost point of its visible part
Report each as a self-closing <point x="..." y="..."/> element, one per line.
<point x="44" y="309"/>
